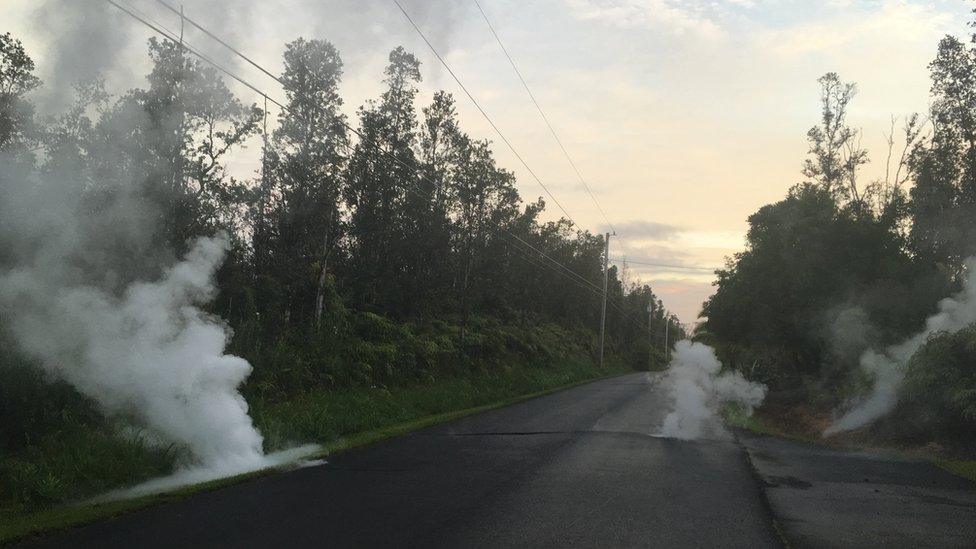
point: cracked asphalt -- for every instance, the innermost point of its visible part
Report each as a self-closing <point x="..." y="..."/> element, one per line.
<point x="577" y="468"/>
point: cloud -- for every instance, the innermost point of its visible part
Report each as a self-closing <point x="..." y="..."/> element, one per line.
<point x="848" y="25"/>
<point x="684" y="297"/>
<point x="697" y="17"/>
<point x="646" y="230"/>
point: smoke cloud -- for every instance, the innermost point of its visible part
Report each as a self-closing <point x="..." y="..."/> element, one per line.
<point x="699" y="390"/>
<point x="86" y="39"/>
<point x="888" y="367"/>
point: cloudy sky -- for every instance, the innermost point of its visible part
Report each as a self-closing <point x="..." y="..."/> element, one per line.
<point x="684" y="116"/>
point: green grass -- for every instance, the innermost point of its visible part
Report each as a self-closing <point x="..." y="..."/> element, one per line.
<point x="962" y="468"/>
<point x="736" y="416"/>
<point x="756" y="424"/>
<point x="337" y="419"/>
<point x="327" y="415"/>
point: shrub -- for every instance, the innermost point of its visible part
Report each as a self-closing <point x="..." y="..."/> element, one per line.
<point x="939" y="393"/>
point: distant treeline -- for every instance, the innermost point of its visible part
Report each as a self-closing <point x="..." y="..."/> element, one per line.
<point x="839" y="266"/>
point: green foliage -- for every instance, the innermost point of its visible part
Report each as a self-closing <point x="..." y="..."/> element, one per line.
<point x="55" y="445"/>
<point x="370" y="281"/>
<point x="943" y="202"/>
<point x="75" y="464"/>
<point x="939" y="394"/>
<point x="16" y="79"/>
<point x="817" y="285"/>
<point x="322" y="415"/>
<point x="963" y="468"/>
<point x="833" y="270"/>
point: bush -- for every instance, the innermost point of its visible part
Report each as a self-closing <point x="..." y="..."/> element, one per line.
<point x="939" y="394"/>
<point x="55" y="446"/>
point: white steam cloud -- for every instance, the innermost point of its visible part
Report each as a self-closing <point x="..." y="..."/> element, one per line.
<point x="699" y="390"/>
<point x="888" y="367"/>
<point x="86" y="289"/>
<point x="150" y="354"/>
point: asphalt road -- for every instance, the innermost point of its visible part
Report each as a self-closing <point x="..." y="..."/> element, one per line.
<point x="578" y="468"/>
<point x="829" y="498"/>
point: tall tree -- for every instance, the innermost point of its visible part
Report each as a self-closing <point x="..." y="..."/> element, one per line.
<point x="16" y="80"/>
<point x="305" y="167"/>
<point x="18" y="135"/>
<point x="427" y="211"/>
<point x="944" y="169"/>
<point x="193" y="121"/>
<point x="835" y="151"/>
<point x="383" y="168"/>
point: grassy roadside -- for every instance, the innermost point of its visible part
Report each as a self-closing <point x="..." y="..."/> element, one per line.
<point x="340" y="421"/>
<point x="962" y="468"/>
<point x="763" y="424"/>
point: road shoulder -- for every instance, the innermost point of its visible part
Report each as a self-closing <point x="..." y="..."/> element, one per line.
<point x="825" y="497"/>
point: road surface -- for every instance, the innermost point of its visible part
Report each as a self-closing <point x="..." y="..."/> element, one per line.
<point x="578" y="468"/>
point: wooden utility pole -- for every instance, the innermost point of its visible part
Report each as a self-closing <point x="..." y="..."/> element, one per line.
<point x="603" y="312"/>
<point x="667" y="348"/>
<point x="650" y="336"/>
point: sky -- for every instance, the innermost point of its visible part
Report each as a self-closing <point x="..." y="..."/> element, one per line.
<point x="683" y="116"/>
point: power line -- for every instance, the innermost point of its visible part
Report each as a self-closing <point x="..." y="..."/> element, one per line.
<point x="217" y="39"/>
<point x="586" y="285"/>
<point x="170" y="35"/>
<point x="553" y="263"/>
<point x="543" y="115"/>
<point x="662" y="265"/>
<point x="540" y="252"/>
<point x="161" y="29"/>
<point x="483" y="113"/>
<point x="567" y="270"/>
<point x="505" y="139"/>
<point x="539" y="262"/>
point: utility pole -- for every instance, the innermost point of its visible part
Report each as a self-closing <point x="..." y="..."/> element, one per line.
<point x="667" y="348"/>
<point x="650" y="335"/>
<point x="603" y="312"/>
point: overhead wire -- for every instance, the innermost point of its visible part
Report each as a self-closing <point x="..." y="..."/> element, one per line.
<point x="545" y="118"/>
<point x="662" y="265"/>
<point x="511" y="147"/>
<point x="484" y="113"/>
<point x="159" y="28"/>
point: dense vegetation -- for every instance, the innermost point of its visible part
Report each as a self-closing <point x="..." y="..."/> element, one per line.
<point x="839" y="267"/>
<point x="380" y="269"/>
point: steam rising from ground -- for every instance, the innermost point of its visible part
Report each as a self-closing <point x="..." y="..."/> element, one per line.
<point x="888" y="367"/>
<point x="149" y="354"/>
<point x="699" y="391"/>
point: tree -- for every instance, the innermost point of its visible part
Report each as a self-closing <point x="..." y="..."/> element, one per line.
<point x="16" y="80"/>
<point x="943" y="205"/>
<point x="298" y="220"/>
<point x="192" y="122"/>
<point x="382" y="170"/>
<point x="835" y="147"/>
<point x="18" y="134"/>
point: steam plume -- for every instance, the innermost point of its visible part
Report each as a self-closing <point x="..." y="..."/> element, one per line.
<point x="888" y="367"/>
<point x="699" y="391"/>
<point x="150" y="354"/>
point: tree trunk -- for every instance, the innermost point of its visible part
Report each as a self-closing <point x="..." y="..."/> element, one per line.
<point x="324" y="274"/>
